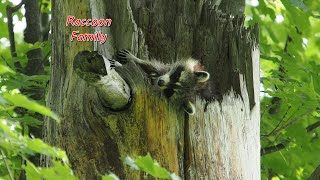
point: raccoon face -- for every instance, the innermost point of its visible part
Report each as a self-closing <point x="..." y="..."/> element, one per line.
<point x="171" y="80"/>
<point x="181" y="78"/>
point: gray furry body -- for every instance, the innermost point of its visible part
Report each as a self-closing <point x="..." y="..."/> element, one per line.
<point x="180" y="81"/>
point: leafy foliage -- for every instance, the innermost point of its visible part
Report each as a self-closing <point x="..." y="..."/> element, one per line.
<point x="15" y="143"/>
<point x="59" y="171"/>
<point x="110" y="177"/>
<point x="290" y="65"/>
<point x="150" y="166"/>
<point x="17" y="114"/>
<point x="16" y="147"/>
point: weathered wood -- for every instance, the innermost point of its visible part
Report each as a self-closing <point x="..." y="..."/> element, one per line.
<point x="224" y="137"/>
<point x="315" y="174"/>
<point x="97" y="139"/>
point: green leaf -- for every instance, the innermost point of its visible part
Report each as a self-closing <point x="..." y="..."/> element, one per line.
<point x="37" y="145"/>
<point x="150" y="166"/>
<point x="111" y="176"/>
<point x="22" y="101"/>
<point x="46" y="6"/>
<point x="45" y="46"/>
<point x="58" y="171"/>
<point x="5" y="69"/>
<point x="299" y="4"/>
<point x="316" y="82"/>
<point x="12" y="141"/>
<point x="29" y="120"/>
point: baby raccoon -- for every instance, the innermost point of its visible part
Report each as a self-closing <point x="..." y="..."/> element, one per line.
<point x="180" y="80"/>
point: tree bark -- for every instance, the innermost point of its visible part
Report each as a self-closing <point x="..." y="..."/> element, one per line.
<point x="315" y="174"/>
<point x="220" y="142"/>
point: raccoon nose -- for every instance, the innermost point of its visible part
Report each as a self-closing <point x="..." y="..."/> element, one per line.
<point x="161" y="82"/>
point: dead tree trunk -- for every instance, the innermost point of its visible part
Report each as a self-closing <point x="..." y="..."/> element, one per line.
<point x="220" y="142"/>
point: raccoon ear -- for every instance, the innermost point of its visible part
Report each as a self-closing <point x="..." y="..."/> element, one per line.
<point x="189" y="107"/>
<point x="202" y="76"/>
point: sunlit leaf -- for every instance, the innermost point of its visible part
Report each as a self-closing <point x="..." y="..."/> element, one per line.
<point x="22" y="101"/>
<point x="150" y="166"/>
<point x="299" y="4"/>
<point x="5" y="69"/>
<point x="111" y="176"/>
<point x="57" y="172"/>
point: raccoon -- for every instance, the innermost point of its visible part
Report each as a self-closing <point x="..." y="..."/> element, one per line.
<point x="181" y="80"/>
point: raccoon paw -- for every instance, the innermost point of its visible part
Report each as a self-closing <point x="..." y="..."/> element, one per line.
<point x="123" y="56"/>
<point x="189" y="108"/>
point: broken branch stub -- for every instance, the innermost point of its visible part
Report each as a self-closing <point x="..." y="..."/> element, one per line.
<point x="112" y="90"/>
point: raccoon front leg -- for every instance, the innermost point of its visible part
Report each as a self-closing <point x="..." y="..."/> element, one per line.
<point x="124" y="56"/>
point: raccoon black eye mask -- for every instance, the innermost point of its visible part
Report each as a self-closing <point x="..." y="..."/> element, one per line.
<point x="182" y="79"/>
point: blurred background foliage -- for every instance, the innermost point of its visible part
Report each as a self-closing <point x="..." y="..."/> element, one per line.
<point x="290" y="88"/>
<point x="18" y="112"/>
<point x="290" y="77"/>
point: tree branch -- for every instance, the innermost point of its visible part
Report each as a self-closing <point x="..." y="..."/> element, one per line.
<point x="282" y="71"/>
<point x="5" y="162"/>
<point x="42" y="62"/>
<point x="113" y="91"/>
<point x="280" y="146"/>
<point x="280" y="121"/>
<point x="276" y="131"/>
<point x="313" y="126"/>
<point x="272" y="149"/>
<point x="10" y="11"/>
<point x="293" y="121"/>
<point x="11" y="33"/>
